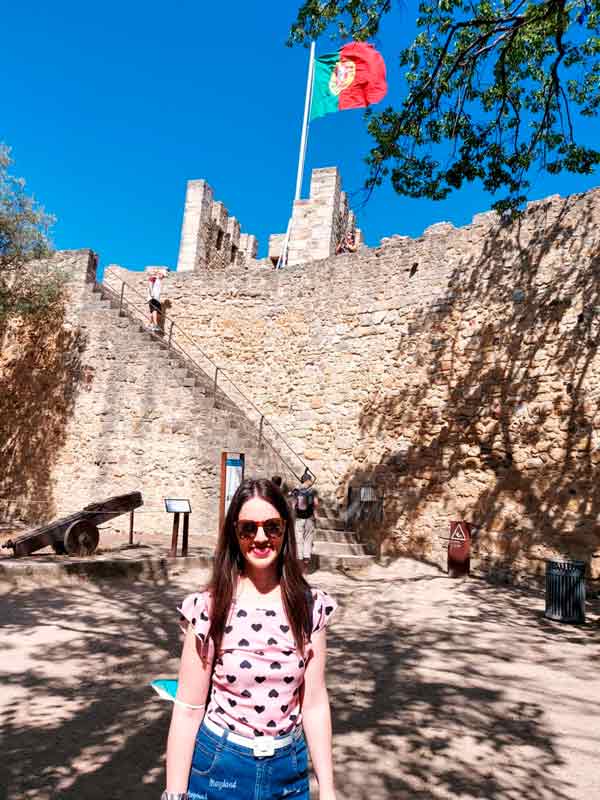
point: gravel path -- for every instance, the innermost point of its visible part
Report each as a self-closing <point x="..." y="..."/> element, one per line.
<point x="439" y="689"/>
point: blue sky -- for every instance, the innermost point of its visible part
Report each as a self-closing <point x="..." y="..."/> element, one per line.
<point x="110" y="108"/>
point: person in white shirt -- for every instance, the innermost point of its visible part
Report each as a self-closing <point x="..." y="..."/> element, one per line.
<point x="154" y="304"/>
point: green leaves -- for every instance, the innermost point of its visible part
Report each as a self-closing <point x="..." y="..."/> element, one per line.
<point x="24" y="227"/>
<point x="493" y="91"/>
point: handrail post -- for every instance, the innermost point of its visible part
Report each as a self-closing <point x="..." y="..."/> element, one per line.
<point x="121" y="300"/>
<point x="215" y="386"/>
<point x="171" y="332"/>
<point x="260" y="429"/>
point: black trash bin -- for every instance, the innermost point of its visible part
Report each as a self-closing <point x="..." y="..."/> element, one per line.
<point x="565" y="591"/>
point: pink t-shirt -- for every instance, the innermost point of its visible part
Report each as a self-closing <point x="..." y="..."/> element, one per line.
<point x="258" y="674"/>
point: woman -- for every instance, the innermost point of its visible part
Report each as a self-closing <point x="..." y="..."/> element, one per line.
<point x="255" y="641"/>
<point x="154" y="304"/>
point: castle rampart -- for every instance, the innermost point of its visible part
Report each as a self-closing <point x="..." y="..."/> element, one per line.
<point x="457" y="373"/>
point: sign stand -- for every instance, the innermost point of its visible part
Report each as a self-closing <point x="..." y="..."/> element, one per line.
<point x="177" y="506"/>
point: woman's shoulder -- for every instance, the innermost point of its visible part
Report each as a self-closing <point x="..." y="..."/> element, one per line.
<point x="195" y="610"/>
<point x="323" y="608"/>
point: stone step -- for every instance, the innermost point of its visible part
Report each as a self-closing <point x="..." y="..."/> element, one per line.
<point x="346" y="562"/>
<point x="326" y="521"/>
<point x="329" y="535"/>
<point x="339" y="549"/>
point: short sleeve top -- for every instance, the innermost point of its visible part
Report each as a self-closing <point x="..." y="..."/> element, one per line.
<point x="258" y="673"/>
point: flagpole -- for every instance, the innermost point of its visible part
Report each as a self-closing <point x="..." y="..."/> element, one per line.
<point x="302" y="154"/>
<point x="304" y="137"/>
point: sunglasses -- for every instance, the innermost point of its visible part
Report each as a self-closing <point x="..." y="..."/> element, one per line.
<point x="248" y="528"/>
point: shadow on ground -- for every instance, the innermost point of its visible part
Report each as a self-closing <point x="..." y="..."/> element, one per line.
<point x="439" y="689"/>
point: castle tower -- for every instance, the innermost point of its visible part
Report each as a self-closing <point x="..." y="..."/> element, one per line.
<point x="210" y="238"/>
<point x="319" y="223"/>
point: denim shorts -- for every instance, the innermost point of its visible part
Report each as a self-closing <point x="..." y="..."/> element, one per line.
<point x="222" y="770"/>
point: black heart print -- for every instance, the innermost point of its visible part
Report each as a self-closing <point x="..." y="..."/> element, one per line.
<point x="231" y="678"/>
<point x="287" y="652"/>
<point x="288" y="678"/>
<point x="284" y="628"/>
<point x="243" y="719"/>
<point x="203" y="616"/>
<point x="220" y="710"/>
<point x="276" y="665"/>
<point x="270" y="613"/>
<point x="257" y="626"/>
<point x="245" y="665"/>
<point x="271" y="724"/>
<point x="272" y="641"/>
<point x="242" y="613"/>
<point x="260" y="679"/>
<point x="293" y="717"/>
<point x="273" y="693"/>
<point x="260" y="652"/>
<point x="328" y="610"/>
<point x="300" y="664"/>
<point x="259" y="709"/>
<point x="195" y="600"/>
<point x="243" y="643"/>
<point x="200" y="636"/>
<point x="230" y="726"/>
<point x="258" y="733"/>
<point x="231" y="702"/>
<point x="219" y="661"/>
<point x="246" y="693"/>
<point x="193" y="620"/>
<point x="228" y="628"/>
<point x="284" y="708"/>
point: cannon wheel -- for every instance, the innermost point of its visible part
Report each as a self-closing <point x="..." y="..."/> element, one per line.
<point x="81" y="538"/>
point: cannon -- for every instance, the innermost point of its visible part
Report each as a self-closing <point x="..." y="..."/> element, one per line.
<point x="77" y="534"/>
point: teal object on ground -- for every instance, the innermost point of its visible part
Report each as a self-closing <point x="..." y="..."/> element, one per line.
<point x="165" y="688"/>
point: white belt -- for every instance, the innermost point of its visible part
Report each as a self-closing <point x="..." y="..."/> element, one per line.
<point x="260" y="745"/>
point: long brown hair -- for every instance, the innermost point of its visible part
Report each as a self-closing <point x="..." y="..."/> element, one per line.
<point x="229" y="562"/>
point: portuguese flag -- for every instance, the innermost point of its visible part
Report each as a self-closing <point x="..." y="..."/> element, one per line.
<point x="354" y="77"/>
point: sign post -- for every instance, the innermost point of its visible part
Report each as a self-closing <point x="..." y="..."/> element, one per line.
<point x="177" y="506"/>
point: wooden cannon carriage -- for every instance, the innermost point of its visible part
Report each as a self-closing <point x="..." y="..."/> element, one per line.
<point x="77" y="534"/>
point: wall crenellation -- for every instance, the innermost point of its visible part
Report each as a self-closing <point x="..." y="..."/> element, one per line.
<point x="210" y="238"/>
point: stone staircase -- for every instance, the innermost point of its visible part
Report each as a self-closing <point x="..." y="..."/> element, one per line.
<point x="227" y="424"/>
<point x="335" y="546"/>
<point x="218" y="422"/>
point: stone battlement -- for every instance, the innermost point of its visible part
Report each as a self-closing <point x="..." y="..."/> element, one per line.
<point x="210" y="238"/>
<point x="318" y="224"/>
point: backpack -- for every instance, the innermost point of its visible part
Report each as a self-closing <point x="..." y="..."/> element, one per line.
<point x="305" y="503"/>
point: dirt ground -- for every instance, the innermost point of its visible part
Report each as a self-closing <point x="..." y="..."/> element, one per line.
<point x="440" y="688"/>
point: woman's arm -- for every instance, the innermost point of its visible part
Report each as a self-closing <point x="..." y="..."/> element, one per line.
<point x="316" y="717"/>
<point x="194" y="680"/>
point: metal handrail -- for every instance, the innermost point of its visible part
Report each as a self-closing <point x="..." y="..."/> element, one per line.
<point x="127" y="307"/>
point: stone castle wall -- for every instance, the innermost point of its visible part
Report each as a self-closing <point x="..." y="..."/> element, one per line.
<point x="92" y="407"/>
<point x="457" y="373"/>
